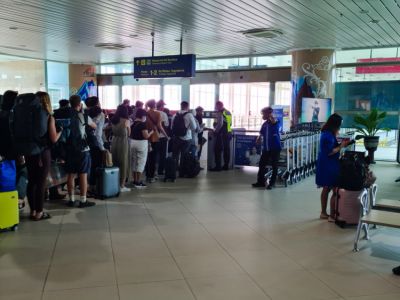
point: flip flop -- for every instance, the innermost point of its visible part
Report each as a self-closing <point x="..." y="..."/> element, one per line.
<point x="44" y="216"/>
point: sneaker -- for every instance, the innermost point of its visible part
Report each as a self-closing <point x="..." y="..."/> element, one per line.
<point x="140" y="185"/>
<point x="71" y="203"/>
<point x="86" y="204"/>
<point x="125" y="189"/>
<point x="269" y="187"/>
<point x="258" y="185"/>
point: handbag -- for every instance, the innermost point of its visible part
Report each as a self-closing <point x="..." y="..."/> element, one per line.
<point x="8" y="175"/>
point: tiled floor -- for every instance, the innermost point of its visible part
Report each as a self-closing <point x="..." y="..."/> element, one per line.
<point x="207" y="238"/>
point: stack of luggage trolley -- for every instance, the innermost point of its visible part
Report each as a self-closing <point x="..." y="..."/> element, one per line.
<point x="298" y="159"/>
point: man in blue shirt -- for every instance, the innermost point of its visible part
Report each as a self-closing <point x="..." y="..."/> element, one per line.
<point x="271" y="144"/>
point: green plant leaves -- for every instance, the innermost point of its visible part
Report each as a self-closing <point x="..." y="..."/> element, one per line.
<point x="370" y="124"/>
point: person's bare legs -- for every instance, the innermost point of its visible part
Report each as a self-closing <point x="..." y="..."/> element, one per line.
<point x="324" y="202"/>
<point x="83" y="185"/>
<point x="71" y="187"/>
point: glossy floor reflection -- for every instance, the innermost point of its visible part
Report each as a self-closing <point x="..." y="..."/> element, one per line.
<point x="208" y="238"/>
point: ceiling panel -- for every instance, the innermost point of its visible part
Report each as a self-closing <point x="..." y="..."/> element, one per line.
<point x="67" y="30"/>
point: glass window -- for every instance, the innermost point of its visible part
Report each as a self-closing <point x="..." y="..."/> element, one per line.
<point x="115" y="68"/>
<point x="202" y="95"/>
<point x="109" y="96"/>
<point x="141" y="92"/>
<point x="384" y="53"/>
<point x="57" y="81"/>
<point x="22" y="75"/>
<point x="222" y="63"/>
<point x="368" y="73"/>
<point x="273" y="61"/>
<point x="351" y="56"/>
<point x="259" y="98"/>
<point x="283" y="93"/>
<point x="173" y="96"/>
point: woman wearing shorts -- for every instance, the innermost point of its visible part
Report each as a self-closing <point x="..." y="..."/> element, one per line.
<point x="139" y="147"/>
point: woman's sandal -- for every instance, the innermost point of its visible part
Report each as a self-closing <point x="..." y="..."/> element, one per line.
<point x="44" y="216"/>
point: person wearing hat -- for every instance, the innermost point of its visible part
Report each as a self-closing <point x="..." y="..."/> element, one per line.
<point x="271" y="148"/>
<point x="163" y="144"/>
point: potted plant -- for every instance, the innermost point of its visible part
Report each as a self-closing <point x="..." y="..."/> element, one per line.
<point x="368" y="126"/>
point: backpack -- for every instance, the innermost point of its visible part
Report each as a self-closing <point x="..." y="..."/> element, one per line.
<point x="28" y="125"/>
<point x="76" y="143"/>
<point x="353" y="173"/>
<point x="179" y="128"/>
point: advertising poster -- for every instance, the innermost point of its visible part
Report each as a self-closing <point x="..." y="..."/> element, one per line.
<point x="282" y="113"/>
<point x="315" y="110"/>
<point x="247" y="152"/>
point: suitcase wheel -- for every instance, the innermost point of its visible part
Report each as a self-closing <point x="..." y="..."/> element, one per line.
<point x="14" y="228"/>
<point x="117" y="195"/>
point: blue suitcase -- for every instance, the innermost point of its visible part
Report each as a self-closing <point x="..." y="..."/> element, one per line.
<point x="107" y="182"/>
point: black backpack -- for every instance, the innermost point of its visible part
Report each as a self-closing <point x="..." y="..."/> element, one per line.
<point x="76" y="142"/>
<point x="353" y="173"/>
<point x="179" y="128"/>
<point x="28" y="125"/>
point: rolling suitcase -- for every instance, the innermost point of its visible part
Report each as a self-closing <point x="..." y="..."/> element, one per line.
<point x="170" y="169"/>
<point x="347" y="208"/>
<point x="9" y="213"/>
<point x="107" y="182"/>
<point x="191" y="166"/>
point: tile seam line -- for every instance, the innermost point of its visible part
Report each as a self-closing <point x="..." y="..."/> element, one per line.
<point x="52" y="254"/>
<point x="172" y="256"/>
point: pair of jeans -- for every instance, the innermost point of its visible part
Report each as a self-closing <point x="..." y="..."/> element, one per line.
<point x="179" y="149"/>
<point x="38" y="167"/>
<point x="162" y="155"/>
<point x="152" y="160"/>
<point x="268" y="158"/>
<point x="222" y="146"/>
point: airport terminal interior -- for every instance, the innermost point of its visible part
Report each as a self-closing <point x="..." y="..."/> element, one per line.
<point x="199" y="149"/>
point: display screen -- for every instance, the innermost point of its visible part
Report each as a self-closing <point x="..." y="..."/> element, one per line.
<point x="165" y="66"/>
<point x="315" y="110"/>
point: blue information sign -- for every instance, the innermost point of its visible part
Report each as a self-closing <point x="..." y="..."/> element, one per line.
<point x="165" y="66"/>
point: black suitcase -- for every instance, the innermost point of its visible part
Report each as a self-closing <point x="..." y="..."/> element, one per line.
<point x="191" y="166"/>
<point x="107" y="182"/>
<point x="170" y="169"/>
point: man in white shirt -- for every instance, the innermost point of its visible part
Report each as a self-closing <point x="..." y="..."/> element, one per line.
<point x="183" y="123"/>
<point x="163" y="139"/>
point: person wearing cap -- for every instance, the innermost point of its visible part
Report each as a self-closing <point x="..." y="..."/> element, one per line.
<point x="271" y="148"/>
<point x="162" y="155"/>
<point x="223" y="136"/>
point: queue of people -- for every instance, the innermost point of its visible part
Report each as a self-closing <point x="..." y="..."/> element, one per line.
<point x="79" y="134"/>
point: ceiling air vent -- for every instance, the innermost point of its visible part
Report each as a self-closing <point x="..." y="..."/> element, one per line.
<point x="266" y="33"/>
<point x="111" y="46"/>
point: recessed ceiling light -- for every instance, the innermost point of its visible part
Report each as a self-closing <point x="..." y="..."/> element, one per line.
<point x="111" y="46"/>
<point x="13" y="27"/>
<point x="133" y="35"/>
<point x="54" y="51"/>
<point x="374" y="21"/>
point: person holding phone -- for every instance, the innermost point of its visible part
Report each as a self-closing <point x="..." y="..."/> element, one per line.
<point x="271" y="148"/>
<point x="327" y="173"/>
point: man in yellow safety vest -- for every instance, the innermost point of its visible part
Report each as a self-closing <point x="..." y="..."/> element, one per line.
<point x="223" y="136"/>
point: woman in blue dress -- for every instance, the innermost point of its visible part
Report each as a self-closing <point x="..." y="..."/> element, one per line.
<point x="328" y="163"/>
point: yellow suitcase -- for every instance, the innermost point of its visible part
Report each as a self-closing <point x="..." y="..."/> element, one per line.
<point x="9" y="213"/>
